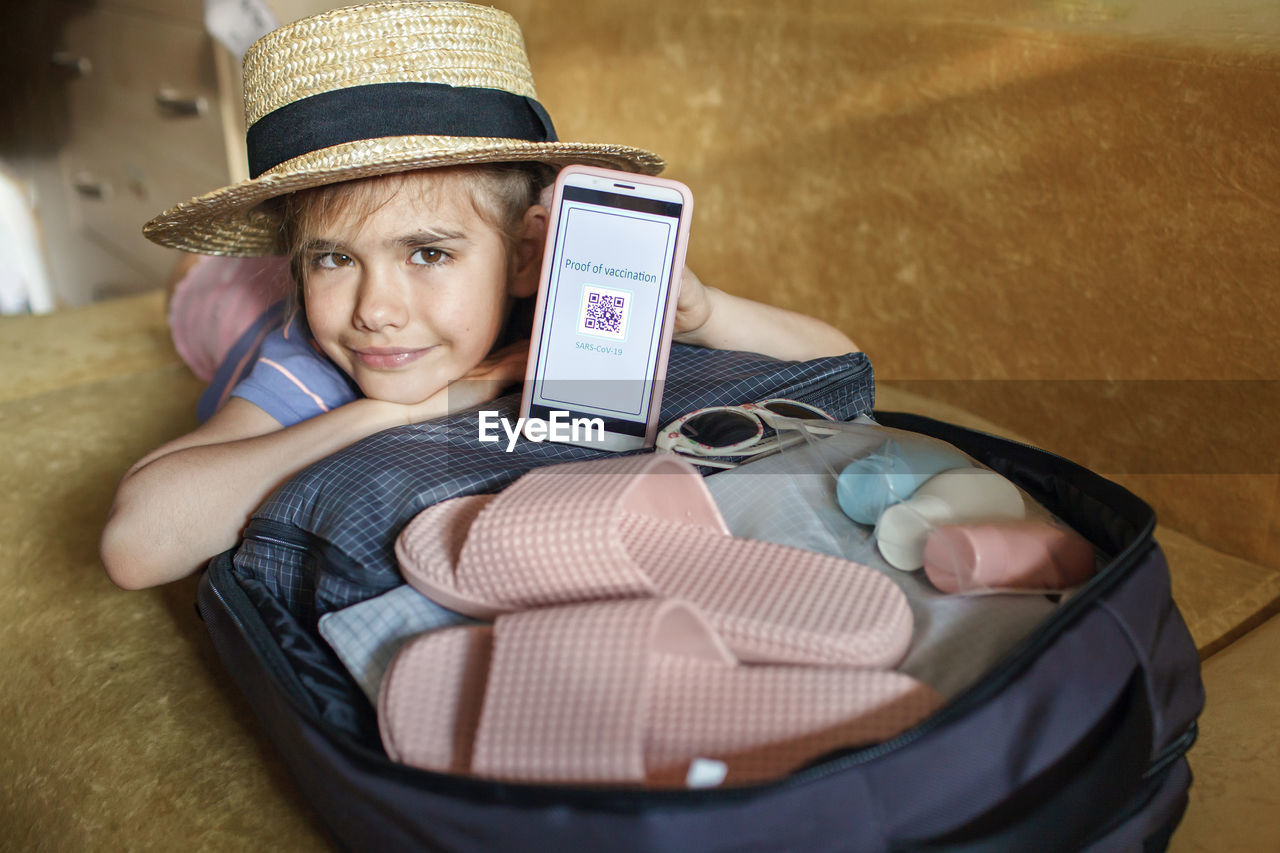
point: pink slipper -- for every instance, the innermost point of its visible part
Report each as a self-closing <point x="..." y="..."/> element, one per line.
<point x="645" y="526"/>
<point x="638" y="692"/>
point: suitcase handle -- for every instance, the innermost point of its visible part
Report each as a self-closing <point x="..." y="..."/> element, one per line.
<point x="1097" y="777"/>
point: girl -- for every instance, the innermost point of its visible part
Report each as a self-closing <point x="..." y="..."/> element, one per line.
<point x="402" y="179"/>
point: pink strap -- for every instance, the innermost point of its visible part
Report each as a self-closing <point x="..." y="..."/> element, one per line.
<point x="553" y="535"/>
<point x="568" y="688"/>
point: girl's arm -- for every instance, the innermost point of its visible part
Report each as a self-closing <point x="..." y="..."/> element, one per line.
<point x="712" y="318"/>
<point x="191" y="498"/>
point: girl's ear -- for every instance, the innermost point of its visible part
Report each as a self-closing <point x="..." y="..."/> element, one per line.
<point x="527" y="263"/>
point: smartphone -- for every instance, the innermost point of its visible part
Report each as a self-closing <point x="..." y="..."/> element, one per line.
<point x="606" y="308"/>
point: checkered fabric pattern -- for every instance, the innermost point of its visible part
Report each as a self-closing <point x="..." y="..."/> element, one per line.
<point x="326" y="538"/>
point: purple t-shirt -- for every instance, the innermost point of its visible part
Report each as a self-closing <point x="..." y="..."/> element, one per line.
<point x="291" y="379"/>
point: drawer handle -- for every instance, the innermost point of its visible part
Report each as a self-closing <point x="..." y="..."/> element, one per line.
<point x="174" y="104"/>
<point x="74" y="66"/>
<point x="88" y="186"/>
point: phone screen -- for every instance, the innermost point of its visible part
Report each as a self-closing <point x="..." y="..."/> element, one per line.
<point x="606" y="299"/>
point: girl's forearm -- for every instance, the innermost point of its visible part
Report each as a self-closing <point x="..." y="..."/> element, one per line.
<point x="742" y="324"/>
<point x="176" y="510"/>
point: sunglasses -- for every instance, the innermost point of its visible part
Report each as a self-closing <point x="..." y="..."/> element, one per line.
<point x="736" y="431"/>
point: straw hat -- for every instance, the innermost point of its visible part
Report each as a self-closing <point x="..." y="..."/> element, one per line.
<point x="371" y="90"/>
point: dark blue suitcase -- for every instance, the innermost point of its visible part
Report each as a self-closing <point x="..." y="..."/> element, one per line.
<point x="1076" y="740"/>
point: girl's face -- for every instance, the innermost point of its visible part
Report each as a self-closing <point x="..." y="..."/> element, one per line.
<point x="410" y="292"/>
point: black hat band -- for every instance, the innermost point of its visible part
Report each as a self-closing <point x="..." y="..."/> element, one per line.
<point x="392" y="109"/>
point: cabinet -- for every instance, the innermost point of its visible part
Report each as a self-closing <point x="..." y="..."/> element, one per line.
<point x="152" y="117"/>
<point x="150" y="114"/>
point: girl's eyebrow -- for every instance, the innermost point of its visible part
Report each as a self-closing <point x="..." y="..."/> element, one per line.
<point x="320" y="245"/>
<point x="423" y="236"/>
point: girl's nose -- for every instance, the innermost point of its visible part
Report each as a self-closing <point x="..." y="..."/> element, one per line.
<point x="379" y="303"/>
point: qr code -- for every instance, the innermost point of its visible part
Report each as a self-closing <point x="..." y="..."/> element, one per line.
<point x="604" y="312"/>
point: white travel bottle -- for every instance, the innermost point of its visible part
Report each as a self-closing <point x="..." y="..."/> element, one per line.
<point x="958" y="496"/>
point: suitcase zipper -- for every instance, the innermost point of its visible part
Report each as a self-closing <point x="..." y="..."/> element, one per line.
<point x="1174" y="751"/>
<point x="284" y="535"/>
<point x="818" y="388"/>
<point x="275" y="532"/>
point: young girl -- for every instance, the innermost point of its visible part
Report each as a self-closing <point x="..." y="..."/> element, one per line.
<point x="402" y="179"/>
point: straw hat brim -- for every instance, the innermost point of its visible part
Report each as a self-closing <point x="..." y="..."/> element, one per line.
<point x="233" y="221"/>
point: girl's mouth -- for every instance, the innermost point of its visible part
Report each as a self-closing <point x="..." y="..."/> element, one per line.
<point x="388" y="358"/>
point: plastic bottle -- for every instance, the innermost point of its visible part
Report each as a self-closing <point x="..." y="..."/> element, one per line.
<point x="957" y="496"/>
<point x="868" y="486"/>
<point x="1029" y="554"/>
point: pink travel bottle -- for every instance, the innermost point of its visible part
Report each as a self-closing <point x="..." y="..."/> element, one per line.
<point x="1007" y="555"/>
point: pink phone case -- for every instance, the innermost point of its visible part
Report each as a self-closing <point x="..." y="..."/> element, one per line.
<point x="668" y="323"/>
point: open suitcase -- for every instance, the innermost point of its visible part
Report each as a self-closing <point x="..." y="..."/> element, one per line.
<point x="1075" y="740"/>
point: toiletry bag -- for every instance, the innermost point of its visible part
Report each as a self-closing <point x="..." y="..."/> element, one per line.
<point x="1075" y="740"/>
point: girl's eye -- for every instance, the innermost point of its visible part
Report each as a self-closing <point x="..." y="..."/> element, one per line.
<point x="428" y="256"/>
<point x="331" y="261"/>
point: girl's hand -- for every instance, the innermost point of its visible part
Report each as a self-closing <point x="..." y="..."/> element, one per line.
<point x="484" y="382"/>
<point x="708" y="317"/>
<point x="693" y="308"/>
